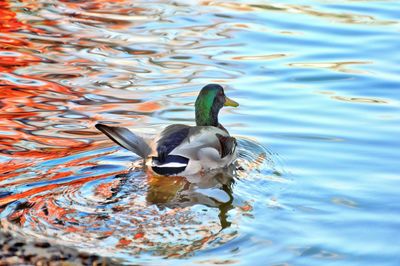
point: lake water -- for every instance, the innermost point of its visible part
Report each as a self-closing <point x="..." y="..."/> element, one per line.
<point x="318" y="84"/>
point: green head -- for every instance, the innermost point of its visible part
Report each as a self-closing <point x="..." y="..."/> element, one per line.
<point x="210" y="100"/>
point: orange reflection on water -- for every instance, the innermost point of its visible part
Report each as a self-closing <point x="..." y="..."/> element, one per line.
<point x="27" y="106"/>
<point x="11" y="60"/>
<point x="53" y="174"/>
<point x="9" y="21"/>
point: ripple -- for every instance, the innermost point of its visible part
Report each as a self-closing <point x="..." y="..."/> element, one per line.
<point x="317" y="84"/>
<point x="336" y="66"/>
<point x="359" y="100"/>
<point x="112" y="213"/>
<point x="259" y="57"/>
<point x="13" y="79"/>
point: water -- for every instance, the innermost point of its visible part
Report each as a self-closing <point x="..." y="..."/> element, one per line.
<point x="318" y="129"/>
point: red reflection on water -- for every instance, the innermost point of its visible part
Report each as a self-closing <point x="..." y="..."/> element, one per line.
<point x="50" y="187"/>
<point x="25" y="99"/>
<point x="9" y="21"/>
<point x="36" y="117"/>
<point x="12" y="60"/>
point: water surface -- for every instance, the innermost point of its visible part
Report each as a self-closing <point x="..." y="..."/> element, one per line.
<point x="318" y="129"/>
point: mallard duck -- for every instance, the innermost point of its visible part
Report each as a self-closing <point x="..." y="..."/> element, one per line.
<point x="182" y="149"/>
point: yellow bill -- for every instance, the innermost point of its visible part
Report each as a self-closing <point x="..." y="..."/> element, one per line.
<point x="230" y="102"/>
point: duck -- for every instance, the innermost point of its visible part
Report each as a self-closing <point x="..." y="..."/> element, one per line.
<point x="185" y="150"/>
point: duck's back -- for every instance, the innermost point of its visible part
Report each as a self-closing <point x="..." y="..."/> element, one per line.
<point x="199" y="138"/>
<point x="192" y="149"/>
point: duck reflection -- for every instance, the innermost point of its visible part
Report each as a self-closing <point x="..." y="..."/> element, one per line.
<point x="213" y="189"/>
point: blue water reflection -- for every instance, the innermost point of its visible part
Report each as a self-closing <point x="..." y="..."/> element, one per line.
<point x="318" y="128"/>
